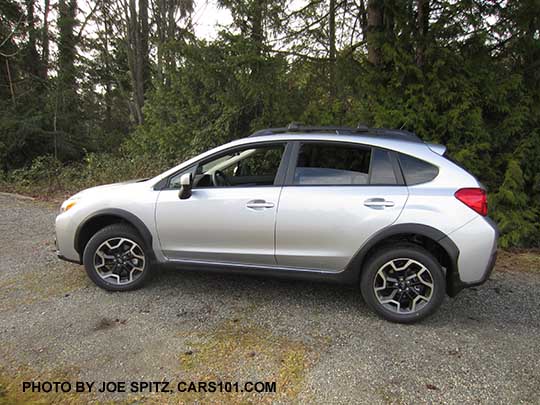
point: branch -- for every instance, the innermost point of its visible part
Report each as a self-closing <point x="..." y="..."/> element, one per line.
<point x="300" y="55"/>
<point x="87" y="18"/>
<point x="12" y="31"/>
<point x="10" y="55"/>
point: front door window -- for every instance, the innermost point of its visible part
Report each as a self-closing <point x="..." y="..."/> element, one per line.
<point x="242" y="168"/>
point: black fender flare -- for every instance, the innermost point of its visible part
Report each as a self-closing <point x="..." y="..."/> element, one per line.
<point x="355" y="265"/>
<point x="127" y="216"/>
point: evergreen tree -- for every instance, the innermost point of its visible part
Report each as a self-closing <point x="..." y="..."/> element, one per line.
<point x="131" y="76"/>
<point x="67" y="114"/>
<point x="516" y="219"/>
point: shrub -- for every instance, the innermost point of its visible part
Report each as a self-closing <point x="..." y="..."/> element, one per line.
<point x="47" y="177"/>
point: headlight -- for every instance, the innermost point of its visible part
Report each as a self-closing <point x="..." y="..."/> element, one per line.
<point x="69" y="203"/>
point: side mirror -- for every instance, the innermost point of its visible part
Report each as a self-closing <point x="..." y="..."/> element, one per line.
<point x="185" y="186"/>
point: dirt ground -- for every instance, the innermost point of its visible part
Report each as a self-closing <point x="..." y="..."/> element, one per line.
<point x="318" y="342"/>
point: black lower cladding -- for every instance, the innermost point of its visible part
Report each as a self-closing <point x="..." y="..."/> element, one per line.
<point x="66" y="259"/>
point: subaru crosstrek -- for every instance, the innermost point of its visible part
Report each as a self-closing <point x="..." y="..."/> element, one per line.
<point x="374" y="207"/>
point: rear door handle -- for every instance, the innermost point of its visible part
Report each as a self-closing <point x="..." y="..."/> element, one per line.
<point x="259" y="204"/>
<point x="378" y="203"/>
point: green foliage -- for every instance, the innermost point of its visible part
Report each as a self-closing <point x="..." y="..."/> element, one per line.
<point x="213" y="98"/>
<point x="47" y="176"/>
<point x="518" y="221"/>
<point x="468" y="79"/>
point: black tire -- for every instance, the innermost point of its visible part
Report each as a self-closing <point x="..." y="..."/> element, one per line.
<point x="105" y="234"/>
<point x="408" y="251"/>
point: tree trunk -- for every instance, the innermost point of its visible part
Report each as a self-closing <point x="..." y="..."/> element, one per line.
<point x="363" y="19"/>
<point x="165" y="13"/>
<point x="138" y="54"/>
<point x="67" y="10"/>
<point x="134" y="60"/>
<point x="45" y="41"/>
<point x="160" y="16"/>
<point x="32" y="60"/>
<point x="374" y="31"/>
<point x="67" y="54"/>
<point x="144" y="48"/>
<point x="332" y="47"/>
<point x="257" y="31"/>
<point x="11" y="90"/>
<point x="422" y="27"/>
<point x="171" y="29"/>
<point x="67" y="118"/>
<point x="108" y="84"/>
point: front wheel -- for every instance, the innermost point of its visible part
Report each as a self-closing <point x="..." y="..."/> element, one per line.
<point x="116" y="258"/>
<point x="403" y="284"/>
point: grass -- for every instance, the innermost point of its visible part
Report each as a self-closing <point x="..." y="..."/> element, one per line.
<point x="234" y="351"/>
<point x="241" y="352"/>
<point x="11" y="392"/>
<point x="41" y="284"/>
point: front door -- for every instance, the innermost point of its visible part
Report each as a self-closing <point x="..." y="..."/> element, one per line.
<point x="230" y="216"/>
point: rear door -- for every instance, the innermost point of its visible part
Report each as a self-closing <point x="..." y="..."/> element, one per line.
<point x="336" y="196"/>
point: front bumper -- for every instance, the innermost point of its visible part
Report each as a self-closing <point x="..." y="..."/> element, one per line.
<point x="62" y="257"/>
<point x="65" y="239"/>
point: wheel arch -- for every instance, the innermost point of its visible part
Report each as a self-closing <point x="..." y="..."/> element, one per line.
<point x="102" y="218"/>
<point x="433" y="240"/>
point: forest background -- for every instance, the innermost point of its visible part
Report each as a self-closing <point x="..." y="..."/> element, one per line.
<point x="93" y="92"/>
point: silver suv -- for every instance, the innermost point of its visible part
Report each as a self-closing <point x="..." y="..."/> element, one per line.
<point x="377" y="208"/>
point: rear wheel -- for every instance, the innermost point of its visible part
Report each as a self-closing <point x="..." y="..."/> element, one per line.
<point x="116" y="258"/>
<point x="403" y="284"/>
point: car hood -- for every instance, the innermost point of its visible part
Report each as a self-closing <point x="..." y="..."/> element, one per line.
<point x="107" y="187"/>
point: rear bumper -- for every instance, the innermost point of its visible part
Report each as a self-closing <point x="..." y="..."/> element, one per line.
<point x="477" y="245"/>
<point x="488" y="272"/>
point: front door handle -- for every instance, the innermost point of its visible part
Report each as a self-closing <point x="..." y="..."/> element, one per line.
<point x="378" y="203"/>
<point x="259" y="204"/>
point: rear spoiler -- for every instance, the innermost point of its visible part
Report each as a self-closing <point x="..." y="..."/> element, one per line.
<point x="439" y="149"/>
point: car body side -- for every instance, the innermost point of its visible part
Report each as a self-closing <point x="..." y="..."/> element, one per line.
<point x="429" y="214"/>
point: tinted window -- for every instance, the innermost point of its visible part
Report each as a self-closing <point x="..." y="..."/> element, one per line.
<point x="382" y="170"/>
<point x="331" y="164"/>
<point x="263" y="161"/>
<point x="254" y="166"/>
<point x="417" y="171"/>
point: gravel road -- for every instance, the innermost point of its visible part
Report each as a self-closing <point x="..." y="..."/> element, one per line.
<point x="319" y="342"/>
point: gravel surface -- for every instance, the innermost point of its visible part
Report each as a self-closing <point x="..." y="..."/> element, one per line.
<point x="319" y="342"/>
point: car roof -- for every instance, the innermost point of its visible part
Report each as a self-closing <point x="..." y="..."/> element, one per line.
<point x="394" y="139"/>
<point x="360" y="130"/>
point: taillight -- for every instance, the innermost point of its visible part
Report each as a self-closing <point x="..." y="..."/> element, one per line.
<point x="474" y="198"/>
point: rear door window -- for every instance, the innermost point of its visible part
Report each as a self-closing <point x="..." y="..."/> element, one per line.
<point x="332" y="164"/>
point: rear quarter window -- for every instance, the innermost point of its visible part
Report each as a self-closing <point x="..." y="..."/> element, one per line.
<point x="416" y="171"/>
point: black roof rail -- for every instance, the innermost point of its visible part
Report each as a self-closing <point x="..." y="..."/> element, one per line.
<point x="383" y="132"/>
<point x="298" y="127"/>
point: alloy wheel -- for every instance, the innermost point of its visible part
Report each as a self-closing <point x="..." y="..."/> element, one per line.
<point x="119" y="261"/>
<point x="403" y="285"/>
